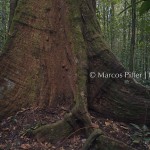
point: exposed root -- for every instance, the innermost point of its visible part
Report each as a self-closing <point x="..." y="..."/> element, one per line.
<point x="106" y="143"/>
<point x="63" y="128"/>
<point x="91" y="139"/>
<point x="120" y="98"/>
<point x="56" y="131"/>
<point x="98" y="141"/>
<point x="72" y="123"/>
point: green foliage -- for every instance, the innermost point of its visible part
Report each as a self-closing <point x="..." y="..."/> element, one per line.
<point x="141" y="134"/>
<point x="117" y="32"/>
<point x="4" y="17"/>
<point x="145" y="7"/>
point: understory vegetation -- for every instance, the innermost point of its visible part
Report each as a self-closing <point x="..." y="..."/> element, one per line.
<point x="124" y="27"/>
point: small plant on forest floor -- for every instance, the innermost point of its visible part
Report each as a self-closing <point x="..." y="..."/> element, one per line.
<point x="29" y="130"/>
<point x="141" y="134"/>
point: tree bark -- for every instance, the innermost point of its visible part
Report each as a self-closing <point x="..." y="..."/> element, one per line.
<point x="26" y="77"/>
<point x="40" y="66"/>
<point x="3" y="18"/>
<point x="132" y="48"/>
<point x="112" y="27"/>
<point x="124" y="44"/>
<point x="52" y="47"/>
<point x="13" y="5"/>
<point x="94" y="5"/>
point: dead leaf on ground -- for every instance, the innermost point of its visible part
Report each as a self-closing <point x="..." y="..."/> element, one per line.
<point x="2" y="146"/>
<point x="108" y="123"/>
<point x="125" y="128"/>
<point x="96" y="126"/>
<point x="5" y="129"/>
<point x="115" y="127"/>
<point x="25" y="146"/>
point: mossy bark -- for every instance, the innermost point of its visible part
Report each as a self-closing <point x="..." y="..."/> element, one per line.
<point x="98" y="141"/>
<point x="81" y="117"/>
<point x="121" y="98"/>
<point x="38" y="66"/>
<point x="52" y="46"/>
<point x="53" y="132"/>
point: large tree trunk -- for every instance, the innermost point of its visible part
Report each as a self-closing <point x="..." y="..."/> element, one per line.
<point x="39" y="66"/>
<point x="53" y="44"/>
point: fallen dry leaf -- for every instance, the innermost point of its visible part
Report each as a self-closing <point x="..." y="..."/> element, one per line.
<point x="115" y="127"/>
<point x="95" y="125"/>
<point x="123" y="127"/>
<point x="25" y="146"/>
<point x="108" y="123"/>
<point x="2" y="146"/>
<point x="5" y="129"/>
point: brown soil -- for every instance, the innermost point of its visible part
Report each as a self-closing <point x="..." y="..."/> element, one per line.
<point x="13" y="131"/>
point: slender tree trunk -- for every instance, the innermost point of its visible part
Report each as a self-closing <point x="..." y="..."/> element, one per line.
<point x="94" y="5"/>
<point x="13" y="5"/>
<point x="132" y="49"/>
<point x="112" y="22"/>
<point x="146" y="63"/>
<point x="143" y="47"/>
<point x="124" y="48"/>
<point x="104" y="19"/>
<point x="107" y="23"/>
<point x="3" y="15"/>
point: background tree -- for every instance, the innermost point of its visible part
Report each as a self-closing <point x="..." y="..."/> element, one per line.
<point x="132" y="49"/>
<point x="4" y="15"/>
<point x="124" y="27"/>
<point x="13" y="5"/>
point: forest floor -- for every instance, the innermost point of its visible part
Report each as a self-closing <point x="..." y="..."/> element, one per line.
<point x="13" y="131"/>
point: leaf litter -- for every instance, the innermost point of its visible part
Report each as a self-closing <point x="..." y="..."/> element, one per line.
<point x="13" y="131"/>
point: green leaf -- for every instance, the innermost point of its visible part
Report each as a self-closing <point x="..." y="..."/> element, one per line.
<point x="145" y="7"/>
<point x="137" y="140"/>
<point x="145" y="128"/>
<point x="116" y="1"/>
<point x="136" y="126"/>
<point x="147" y="134"/>
<point x="130" y="6"/>
<point x="147" y="139"/>
<point x="137" y="134"/>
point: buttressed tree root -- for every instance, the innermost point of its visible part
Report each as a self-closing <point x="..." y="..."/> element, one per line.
<point x="70" y="124"/>
<point x="77" y="119"/>
<point x="120" y="98"/>
<point x="53" y="45"/>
